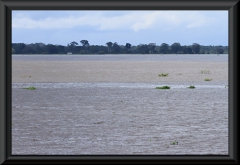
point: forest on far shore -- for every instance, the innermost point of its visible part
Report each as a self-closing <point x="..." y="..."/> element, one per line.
<point x="84" y="47"/>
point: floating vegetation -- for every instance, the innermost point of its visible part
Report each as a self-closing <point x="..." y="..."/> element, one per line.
<point x="100" y="122"/>
<point x="205" y="72"/>
<point x="174" y="143"/>
<point x="208" y="79"/>
<point x="191" y="87"/>
<point x="163" y="87"/>
<point x="163" y="74"/>
<point x="30" y="88"/>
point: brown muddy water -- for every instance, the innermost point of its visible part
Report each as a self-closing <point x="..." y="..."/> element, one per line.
<point x="78" y="119"/>
<point x="122" y="116"/>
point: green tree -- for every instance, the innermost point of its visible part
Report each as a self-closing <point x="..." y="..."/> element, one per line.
<point x="164" y="48"/>
<point x="61" y="49"/>
<point x="196" y="48"/>
<point x="109" y="45"/>
<point x="31" y="48"/>
<point x="143" y="48"/>
<point x="40" y="48"/>
<point x="186" y="50"/>
<point x="175" y="47"/>
<point x="85" y="44"/>
<point x="128" y="46"/>
<point x="116" y="47"/>
<point x="219" y="51"/>
<point x="73" y="44"/>
<point x="18" y="47"/>
<point x="152" y="46"/>
<point x="72" y="47"/>
<point x="51" y="49"/>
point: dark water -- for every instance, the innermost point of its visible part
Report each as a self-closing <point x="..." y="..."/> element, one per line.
<point x="130" y="57"/>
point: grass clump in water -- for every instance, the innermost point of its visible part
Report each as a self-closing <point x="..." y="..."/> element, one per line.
<point x="163" y="74"/>
<point x="191" y="87"/>
<point x="174" y="143"/>
<point x="30" y="88"/>
<point x="205" y="72"/>
<point x="208" y="79"/>
<point x="163" y="87"/>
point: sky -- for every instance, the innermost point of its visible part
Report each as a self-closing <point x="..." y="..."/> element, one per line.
<point x="136" y="27"/>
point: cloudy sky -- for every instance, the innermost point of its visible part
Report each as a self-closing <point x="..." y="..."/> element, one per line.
<point x="135" y="27"/>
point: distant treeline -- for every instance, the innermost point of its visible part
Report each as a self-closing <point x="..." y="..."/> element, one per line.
<point x="115" y="48"/>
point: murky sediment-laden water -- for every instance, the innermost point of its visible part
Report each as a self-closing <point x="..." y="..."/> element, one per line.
<point x="109" y="105"/>
<point x="119" y="118"/>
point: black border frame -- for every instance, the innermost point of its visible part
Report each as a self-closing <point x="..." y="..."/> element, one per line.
<point x="6" y="6"/>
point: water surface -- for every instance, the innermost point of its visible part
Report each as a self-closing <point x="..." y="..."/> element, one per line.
<point x="129" y="57"/>
<point x="119" y="118"/>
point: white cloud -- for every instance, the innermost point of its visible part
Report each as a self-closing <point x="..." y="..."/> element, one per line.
<point x="199" y="20"/>
<point x="134" y="20"/>
<point x="50" y="23"/>
<point x="195" y="24"/>
<point x="145" y="21"/>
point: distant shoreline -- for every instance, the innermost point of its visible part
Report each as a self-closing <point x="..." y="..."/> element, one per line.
<point x="114" y="48"/>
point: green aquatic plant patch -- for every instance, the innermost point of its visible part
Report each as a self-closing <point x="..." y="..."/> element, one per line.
<point x="208" y="79"/>
<point x="191" y="87"/>
<point x="163" y="87"/>
<point x="174" y="143"/>
<point x="205" y="72"/>
<point x="30" y="88"/>
<point x="163" y="74"/>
